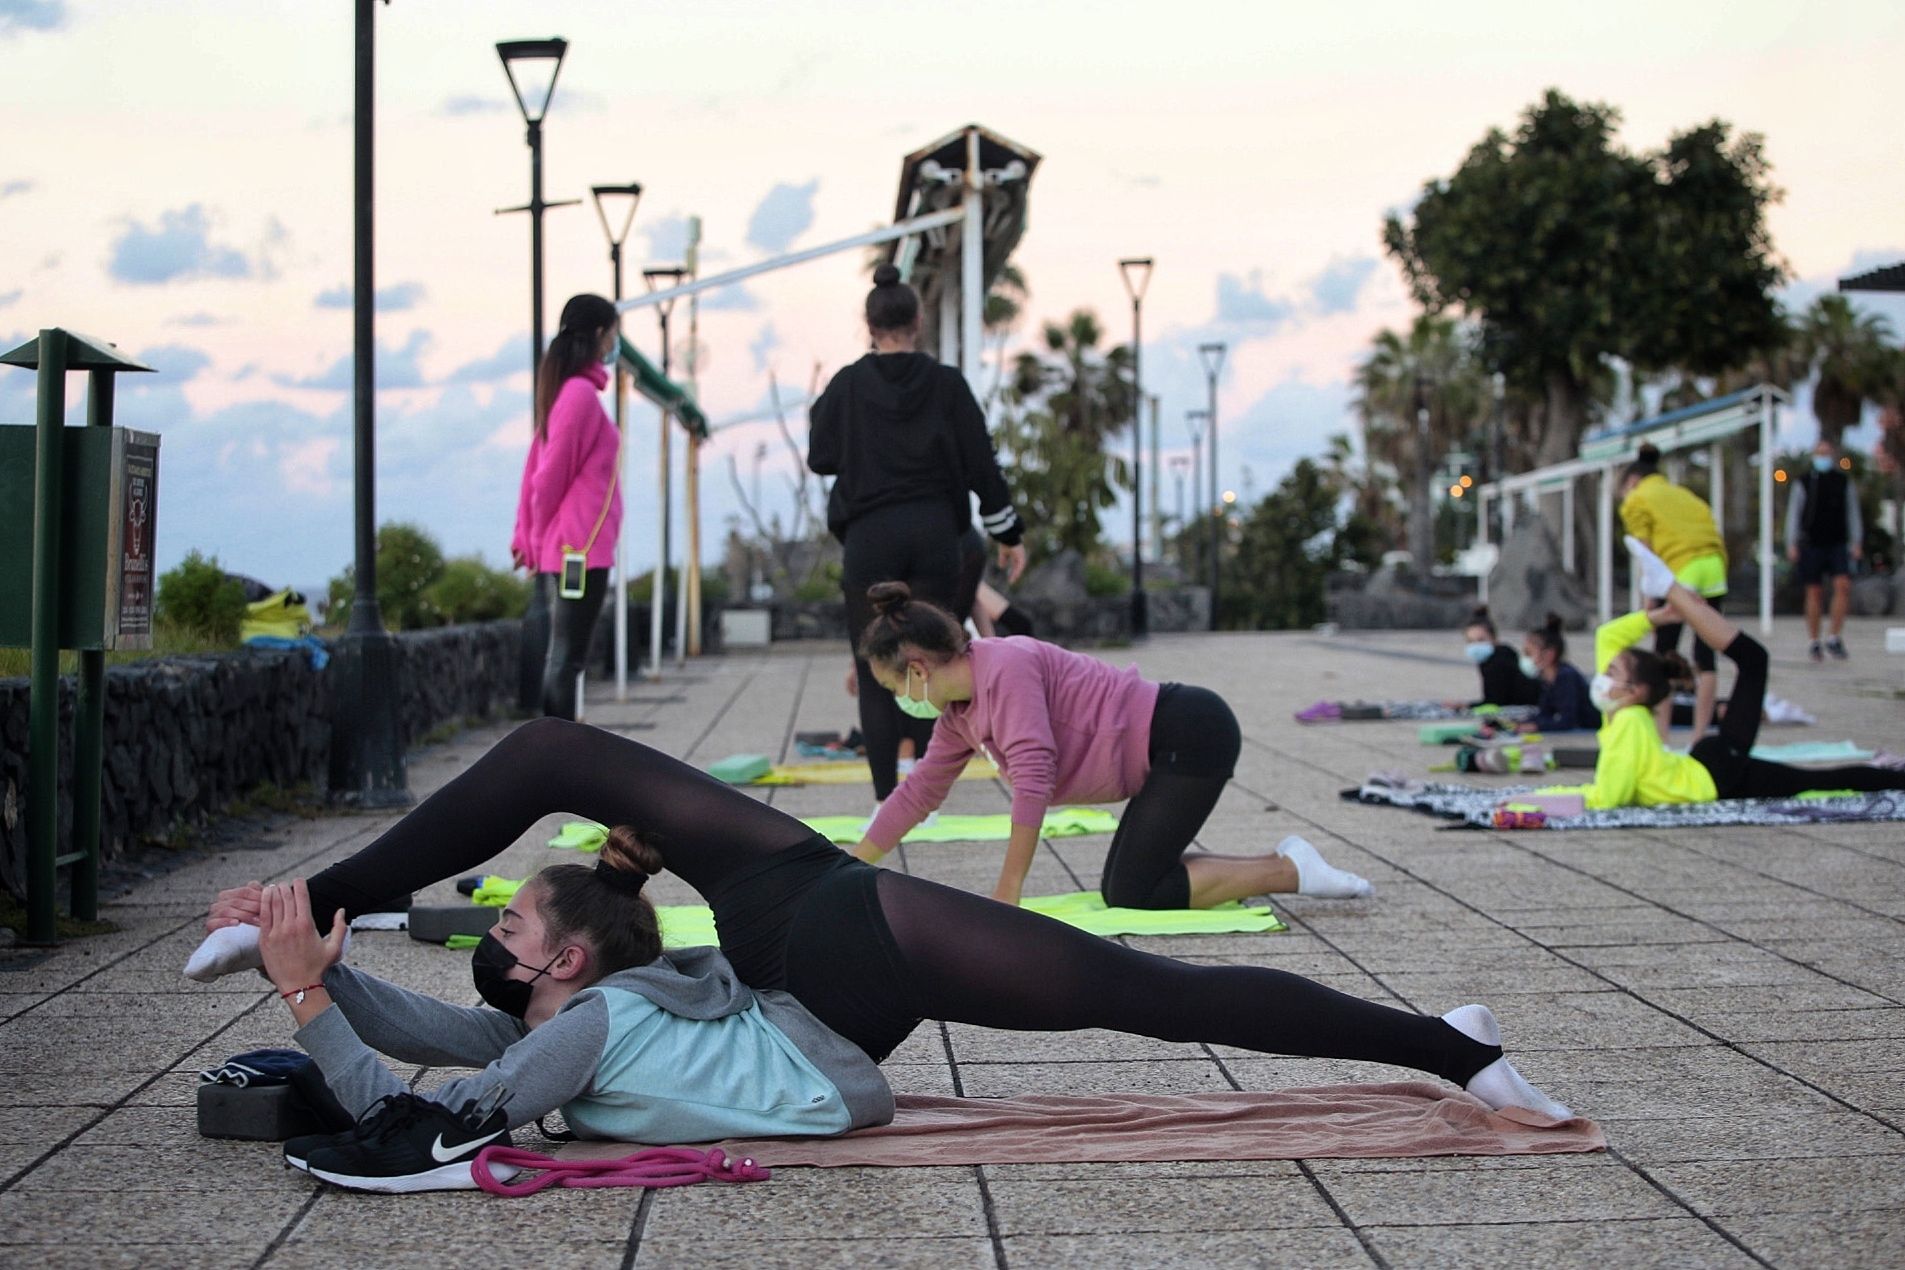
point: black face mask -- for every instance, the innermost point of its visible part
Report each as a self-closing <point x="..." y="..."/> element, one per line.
<point x="490" y="965"/>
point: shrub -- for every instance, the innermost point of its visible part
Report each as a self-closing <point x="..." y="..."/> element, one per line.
<point x="408" y="562"/>
<point x="201" y="598"/>
<point x="470" y="591"/>
<point x="1105" y="579"/>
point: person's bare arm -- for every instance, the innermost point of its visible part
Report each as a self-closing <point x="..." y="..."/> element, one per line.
<point x="1018" y="862"/>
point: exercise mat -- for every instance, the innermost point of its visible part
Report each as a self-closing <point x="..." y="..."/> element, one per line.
<point x="1399" y="1120"/>
<point x="853" y="772"/>
<point x="1478" y="807"/>
<point x="685" y="925"/>
<point x="1060" y="822"/>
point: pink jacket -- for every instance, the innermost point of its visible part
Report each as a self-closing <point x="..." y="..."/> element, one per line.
<point x="566" y="478"/>
<point x="1062" y="727"/>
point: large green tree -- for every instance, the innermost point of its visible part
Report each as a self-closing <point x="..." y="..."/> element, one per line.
<point x="1285" y="549"/>
<point x="1569" y="249"/>
<point x="1851" y="354"/>
<point x="1420" y="395"/>
<point x="1064" y="406"/>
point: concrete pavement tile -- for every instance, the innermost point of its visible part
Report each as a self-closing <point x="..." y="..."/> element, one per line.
<point x="404" y="1253"/>
<point x="1807" y="1025"/>
<point x="132" y="1125"/>
<point x="894" y="1250"/>
<point x="1702" y="1003"/>
<point x="1151" y="1076"/>
<point x="1156" y="1205"/>
<point x="933" y="1080"/>
<point x="190" y="1166"/>
<point x="1878" y="1092"/>
<point x="251" y="1217"/>
<point x="1776" y="1135"/>
<point x="828" y="1204"/>
<point x="35" y="1088"/>
<point x="1429" y="986"/>
<point x="1586" y="1021"/>
<point x="1668" y="1243"/>
<point x="1691" y="970"/>
<point x="1108" y="1170"/>
<point x="1823" y="1241"/>
<point x="1764" y="1186"/>
<point x="1813" y="1058"/>
<point x="1517" y="1195"/>
<point x="1193" y="1250"/>
<point x="11" y="1003"/>
<point x="79" y="1255"/>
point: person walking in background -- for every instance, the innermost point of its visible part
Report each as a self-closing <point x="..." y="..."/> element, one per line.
<point x="570" y="508"/>
<point x="1678" y="526"/>
<point x="1824" y="536"/>
<point x="906" y="443"/>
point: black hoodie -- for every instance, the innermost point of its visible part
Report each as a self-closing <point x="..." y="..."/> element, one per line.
<point x="902" y="427"/>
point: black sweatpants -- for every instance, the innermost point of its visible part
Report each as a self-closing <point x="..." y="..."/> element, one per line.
<point x="916" y="543"/>
<point x="870" y="952"/>
<point x="1728" y="753"/>
<point x="1194" y="746"/>
<point x="563" y="628"/>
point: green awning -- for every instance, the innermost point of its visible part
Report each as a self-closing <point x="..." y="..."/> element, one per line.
<point x="665" y="393"/>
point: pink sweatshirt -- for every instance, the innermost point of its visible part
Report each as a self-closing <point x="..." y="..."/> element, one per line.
<point x="567" y="477"/>
<point x="1062" y="727"/>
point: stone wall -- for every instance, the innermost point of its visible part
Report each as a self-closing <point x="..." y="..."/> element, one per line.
<point x="185" y="736"/>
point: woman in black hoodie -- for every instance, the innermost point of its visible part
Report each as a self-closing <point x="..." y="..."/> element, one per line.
<point x="906" y="443"/>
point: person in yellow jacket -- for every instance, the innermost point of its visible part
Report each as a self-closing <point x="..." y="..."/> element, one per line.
<point x="1635" y="767"/>
<point x="1677" y="525"/>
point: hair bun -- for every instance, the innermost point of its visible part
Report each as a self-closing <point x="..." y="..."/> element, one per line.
<point x="627" y="861"/>
<point x="1648" y="452"/>
<point x="1554" y="622"/>
<point x="888" y="596"/>
<point x="886" y="276"/>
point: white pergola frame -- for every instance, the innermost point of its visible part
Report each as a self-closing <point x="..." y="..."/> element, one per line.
<point x="1606" y="453"/>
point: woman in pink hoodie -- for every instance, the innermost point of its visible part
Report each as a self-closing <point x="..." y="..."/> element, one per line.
<point x="570" y="504"/>
<point x="1068" y="728"/>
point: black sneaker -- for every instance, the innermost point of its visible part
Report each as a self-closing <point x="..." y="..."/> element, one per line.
<point x="406" y="1143"/>
<point x="1814" y="652"/>
<point x="1836" y="647"/>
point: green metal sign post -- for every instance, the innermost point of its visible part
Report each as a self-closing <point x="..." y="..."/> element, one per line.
<point x="88" y="531"/>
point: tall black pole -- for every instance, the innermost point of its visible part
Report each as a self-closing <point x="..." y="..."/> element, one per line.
<point x="1140" y="615"/>
<point x="367" y="762"/>
<point x="535" y="248"/>
<point x="1217" y="503"/>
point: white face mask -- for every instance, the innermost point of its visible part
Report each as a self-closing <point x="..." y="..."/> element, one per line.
<point x="1529" y="668"/>
<point x="1598" y="689"/>
<point x="1480" y="651"/>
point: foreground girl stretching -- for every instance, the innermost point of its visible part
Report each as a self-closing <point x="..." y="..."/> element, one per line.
<point x="869" y="952"/>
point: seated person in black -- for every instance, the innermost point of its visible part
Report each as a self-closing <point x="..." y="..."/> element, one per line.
<point x="1503" y="683"/>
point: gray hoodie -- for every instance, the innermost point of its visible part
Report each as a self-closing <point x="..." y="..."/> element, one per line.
<point x="679" y="1050"/>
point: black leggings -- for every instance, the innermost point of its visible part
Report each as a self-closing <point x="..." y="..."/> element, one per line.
<point x="869" y="952"/>
<point x="916" y="543"/>
<point x="1667" y="640"/>
<point x="560" y="631"/>
<point x="1728" y="753"/>
<point x="1194" y="747"/>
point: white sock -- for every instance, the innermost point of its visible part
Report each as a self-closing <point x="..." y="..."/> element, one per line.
<point x="904" y="767"/>
<point x="225" y="951"/>
<point x="1499" y="1084"/>
<point x="1316" y="876"/>
<point x="1655" y="577"/>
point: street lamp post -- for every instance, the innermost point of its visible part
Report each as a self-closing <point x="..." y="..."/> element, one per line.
<point x="1195" y="421"/>
<point x="622" y="200"/>
<point x="1136" y="272"/>
<point x="661" y="279"/>
<point x="1212" y="356"/>
<point x="367" y="761"/>
<point x="1180" y="464"/>
<point x="534" y="59"/>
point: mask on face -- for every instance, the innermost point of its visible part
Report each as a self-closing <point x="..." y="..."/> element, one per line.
<point x="1529" y="668"/>
<point x="490" y="965"/>
<point x="608" y="359"/>
<point x="1598" y="689"/>
<point x="1822" y="463"/>
<point x="1479" y="652"/>
<point x="923" y="708"/>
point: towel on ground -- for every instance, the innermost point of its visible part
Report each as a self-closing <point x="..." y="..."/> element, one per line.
<point x="1060" y="822"/>
<point x="1404" y="1119"/>
<point x="852" y="772"/>
<point x="1477" y="807"/>
<point x="686" y="925"/>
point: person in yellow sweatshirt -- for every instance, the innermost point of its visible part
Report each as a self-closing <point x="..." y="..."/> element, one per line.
<point x="1677" y="525"/>
<point x="1635" y="767"/>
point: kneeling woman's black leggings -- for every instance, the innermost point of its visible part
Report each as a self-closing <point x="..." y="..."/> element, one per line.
<point x="1728" y="753"/>
<point x="868" y="951"/>
<point x="1194" y="745"/>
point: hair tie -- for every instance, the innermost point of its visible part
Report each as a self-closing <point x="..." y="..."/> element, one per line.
<point x="626" y="880"/>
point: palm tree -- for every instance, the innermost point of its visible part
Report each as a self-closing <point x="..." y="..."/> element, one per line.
<point x="1418" y="396"/>
<point x="1848" y="351"/>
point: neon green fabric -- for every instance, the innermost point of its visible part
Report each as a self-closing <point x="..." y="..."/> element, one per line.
<point x="277" y="616"/>
<point x="495" y="892"/>
<point x="685" y="925"/>
<point x="840" y="772"/>
<point x="580" y="835"/>
<point x="1060" y="822"/>
<point x="1703" y="575"/>
<point x="462" y="943"/>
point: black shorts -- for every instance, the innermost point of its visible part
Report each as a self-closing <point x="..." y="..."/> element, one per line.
<point x="1816" y="564"/>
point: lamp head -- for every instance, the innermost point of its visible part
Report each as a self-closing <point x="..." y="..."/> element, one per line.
<point x="621" y="199"/>
<point x="1136" y="272"/>
<point x="1212" y="355"/>
<point x="532" y="67"/>
<point x="661" y="278"/>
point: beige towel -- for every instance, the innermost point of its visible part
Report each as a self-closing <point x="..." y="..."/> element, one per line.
<point x="1408" y="1118"/>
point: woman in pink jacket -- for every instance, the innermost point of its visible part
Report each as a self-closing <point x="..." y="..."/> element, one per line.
<point x="570" y="504"/>
<point x="1068" y="728"/>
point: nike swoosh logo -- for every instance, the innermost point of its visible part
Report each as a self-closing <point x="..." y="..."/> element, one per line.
<point x="443" y="1156"/>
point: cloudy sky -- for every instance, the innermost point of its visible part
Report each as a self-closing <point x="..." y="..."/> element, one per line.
<point x="177" y="178"/>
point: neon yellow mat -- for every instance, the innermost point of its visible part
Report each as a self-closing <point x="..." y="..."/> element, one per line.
<point x="1060" y="822"/>
<point x="842" y="772"/>
<point x="685" y="925"/>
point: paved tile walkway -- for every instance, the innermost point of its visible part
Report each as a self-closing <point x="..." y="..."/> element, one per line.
<point x="1729" y="1003"/>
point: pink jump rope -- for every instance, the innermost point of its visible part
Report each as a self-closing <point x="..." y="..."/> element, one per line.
<point x="652" y="1168"/>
